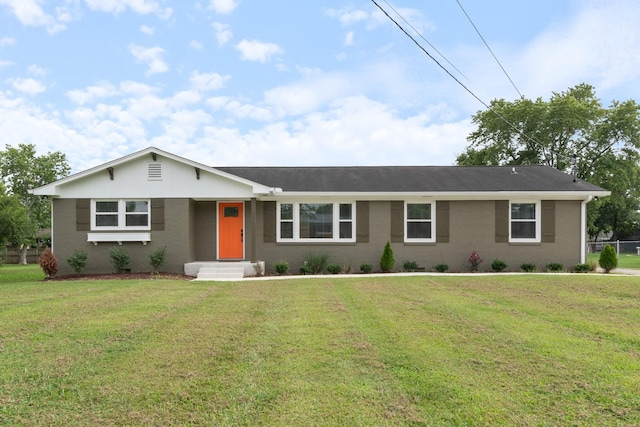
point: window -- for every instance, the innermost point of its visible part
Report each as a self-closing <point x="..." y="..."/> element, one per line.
<point x="120" y="215"/>
<point x="524" y="222"/>
<point x="419" y="222"/>
<point x="314" y="222"/>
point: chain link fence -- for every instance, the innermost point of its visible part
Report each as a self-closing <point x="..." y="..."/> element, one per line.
<point x="621" y="246"/>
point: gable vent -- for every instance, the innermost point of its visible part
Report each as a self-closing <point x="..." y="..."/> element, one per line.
<point x="155" y="172"/>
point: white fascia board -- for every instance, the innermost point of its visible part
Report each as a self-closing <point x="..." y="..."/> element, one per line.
<point x="479" y="195"/>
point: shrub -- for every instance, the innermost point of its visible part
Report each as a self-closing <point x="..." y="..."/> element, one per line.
<point x="282" y="267"/>
<point x="441" y="268"/>
<point x="555" y="267"/>
<point x="334" y="268"/>
<point x="48" y="263"/>
<point x="528" y="267"/>
<point x="156" y="258"/>
<point x="387" y="261"/>
<point x="498" y="265"/>
<point x="410" y="266"/>
<point x="582" y="268"/>
<point x="366" y="268"/>
<point x="475" y="260"/>
<point x="608" y="258"/>
<point x="78" y="261"/>
<point x="120" y="258"/>
<point x="305" y="269"/>
<point x="315" y="263"/>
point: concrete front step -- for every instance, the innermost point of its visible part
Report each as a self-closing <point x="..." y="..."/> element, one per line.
<point x="220" y="273"/>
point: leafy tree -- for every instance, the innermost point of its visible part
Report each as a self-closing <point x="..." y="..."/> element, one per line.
<point x="14" y="222"/>
<point x="606" y="142"/>
<point x="23" y="170"/>
<point x="608" y="258"/>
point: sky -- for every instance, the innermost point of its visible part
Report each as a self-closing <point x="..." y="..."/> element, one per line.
<point x="294" y="83"/>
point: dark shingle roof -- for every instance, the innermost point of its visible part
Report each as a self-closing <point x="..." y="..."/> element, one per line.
<point x="413" y="178"/>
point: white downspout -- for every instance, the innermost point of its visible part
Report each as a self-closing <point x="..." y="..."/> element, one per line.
<point x="583" y="229"/>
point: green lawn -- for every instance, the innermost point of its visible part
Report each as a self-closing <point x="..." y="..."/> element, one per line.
<point x="425" y="350"/>
<point x="624" y="260"/>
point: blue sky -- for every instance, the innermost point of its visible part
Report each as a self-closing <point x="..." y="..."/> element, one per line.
<point x="248" y="82"/>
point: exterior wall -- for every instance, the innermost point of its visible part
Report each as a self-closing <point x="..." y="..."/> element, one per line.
<point x="175" y="237"/>
<point x="471" y="227"/>
<point x="205" y="231"/>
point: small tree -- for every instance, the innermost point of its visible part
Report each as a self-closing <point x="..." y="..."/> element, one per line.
<point x="387" y="261"/>
<point x="474" y="260"/>
<point x="156" y="258"/>
<point x="608" y="258"/>
<point x="78" y="261"/>
<point x="120" y="258"/>
<point x="48" y="263"/>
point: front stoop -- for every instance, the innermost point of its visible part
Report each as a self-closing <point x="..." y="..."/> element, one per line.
<point x="220" y="270"/>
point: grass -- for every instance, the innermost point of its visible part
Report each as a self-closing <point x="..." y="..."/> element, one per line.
<point x="624" y="260"/>
<point x="433" y="350"/>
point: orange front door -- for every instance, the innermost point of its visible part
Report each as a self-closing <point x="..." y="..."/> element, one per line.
<point x="231" y="230"/>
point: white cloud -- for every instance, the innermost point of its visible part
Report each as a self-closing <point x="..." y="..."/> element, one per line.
<point x="34" y="70"/>
<point x="6" y="64"/>
<point x="142" y="7"/>
<point x="91" y="93"/>
<point x="253" y="50"/>
<point x="144" y="29"/>
<point x="29" y="13"/>
<point x="348" y="17"/>
<point x="29" y="86"/>
<point x="7" y="41"/>
<point x="223" y="33"/>
<point x="348" y="40"/>
<point x="223" y="6"/>
<point x="207" y="81"/>
<point x="196" y="45"/>
<point x="151" y="57"/>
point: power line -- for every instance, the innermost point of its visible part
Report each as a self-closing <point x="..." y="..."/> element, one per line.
<point x="487" y="45"/>
<point x="454" y="77"/>
<point x="425" y="40"/>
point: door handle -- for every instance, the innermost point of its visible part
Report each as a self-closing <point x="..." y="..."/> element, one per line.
<point x="242" y="234"/>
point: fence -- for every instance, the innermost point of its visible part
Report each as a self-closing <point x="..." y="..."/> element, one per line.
<point x="621" y="246"/>
<point x="12" y="255"/>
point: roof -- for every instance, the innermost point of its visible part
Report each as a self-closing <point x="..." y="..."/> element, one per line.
<point x="431" y="179"/>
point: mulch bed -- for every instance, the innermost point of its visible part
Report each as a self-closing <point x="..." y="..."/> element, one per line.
<point x="122" y="276"/>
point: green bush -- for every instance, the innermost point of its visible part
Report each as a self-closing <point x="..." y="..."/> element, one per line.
<point x="528" y="267"/>
<point x="555" y="267"/>
<point x="583" y="268"/>
<point x="282" y="267"/>
<point x="441" y="268"/>
<point x="315" y="263"/>
<point x="366" y="268"/>
<point x="410" y="266"/>
<point x="334" y="268"/>
<point x="387" y="261"/>
<point x="498" y="265"/>
<point x="120" y="258"/>
<point x="608" y="258"/>
<point x="78" y="261"/>
<point x="156" y="258"/>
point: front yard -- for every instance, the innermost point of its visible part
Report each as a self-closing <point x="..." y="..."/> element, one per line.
<point x="424" y="350"/>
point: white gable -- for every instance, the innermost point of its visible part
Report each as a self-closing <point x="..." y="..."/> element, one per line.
<point x="154" y="174"/>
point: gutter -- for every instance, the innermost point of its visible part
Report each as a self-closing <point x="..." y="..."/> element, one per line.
<point x="583" y="229"/>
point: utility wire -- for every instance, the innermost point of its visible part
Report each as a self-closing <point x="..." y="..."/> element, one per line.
<point x="487" y="45"/>
<point x="454" y="77"/>
<point x="425" y="40"/>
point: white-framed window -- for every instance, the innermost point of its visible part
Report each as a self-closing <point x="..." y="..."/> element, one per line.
<point x="419" y="222"/>
<point x="316" y="221"/>
<point x="524" y="221"/>
<point x="121" y="214"/>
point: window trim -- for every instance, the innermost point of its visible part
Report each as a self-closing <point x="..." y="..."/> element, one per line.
<point x="336" y="221"/>
<point x="122" y="215"/>
<point x="406" y="221"/>
<point x="538" y="221"/>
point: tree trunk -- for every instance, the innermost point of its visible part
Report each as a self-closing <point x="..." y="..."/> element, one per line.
<point x="23" y="254"/>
